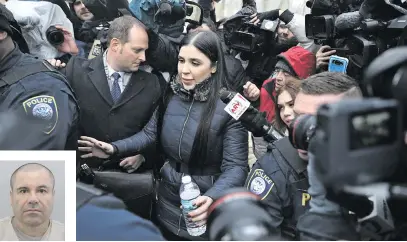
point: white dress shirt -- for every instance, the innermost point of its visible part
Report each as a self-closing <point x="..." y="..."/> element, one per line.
<point x="124" y="76"/>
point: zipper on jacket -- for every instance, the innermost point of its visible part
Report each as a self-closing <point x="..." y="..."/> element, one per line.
<point x="183" y="128"/>
<point x="179" y="223"/>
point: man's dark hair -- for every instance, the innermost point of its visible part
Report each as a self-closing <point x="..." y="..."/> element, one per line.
<point x="120" y="28"/>
<point x="331" y="83"/>
<point x="31" y="167"/>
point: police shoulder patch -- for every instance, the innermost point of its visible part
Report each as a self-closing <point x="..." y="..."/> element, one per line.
<point x="260" y="184"/>
<point x="44" y="109"/>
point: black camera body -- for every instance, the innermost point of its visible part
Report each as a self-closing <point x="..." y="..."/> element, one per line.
<point x="55" y="36"/>
<point x="357" y="142"/>
<point x="241" y="35"/>
<point x="366" y="39"/>
<point x="320" y="27"/>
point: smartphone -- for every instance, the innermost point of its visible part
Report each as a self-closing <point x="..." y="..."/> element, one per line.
<point x="338" y="64"/>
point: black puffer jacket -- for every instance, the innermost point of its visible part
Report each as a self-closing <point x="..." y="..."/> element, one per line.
<point x="227" y="153"/>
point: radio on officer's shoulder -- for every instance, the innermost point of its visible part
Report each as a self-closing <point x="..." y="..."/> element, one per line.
<point x="96" y="50"/>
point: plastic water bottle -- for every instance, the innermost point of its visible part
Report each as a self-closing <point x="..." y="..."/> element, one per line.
<point x="189" y="191"/>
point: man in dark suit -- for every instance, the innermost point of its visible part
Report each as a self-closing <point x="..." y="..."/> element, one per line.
<point x="116" y="98"/>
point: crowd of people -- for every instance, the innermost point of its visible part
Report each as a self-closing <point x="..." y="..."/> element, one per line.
<point x="149" y="103"/>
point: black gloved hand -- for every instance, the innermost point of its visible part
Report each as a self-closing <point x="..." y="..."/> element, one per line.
<point x="254" y="120"/>
<point x="269" y="15"/>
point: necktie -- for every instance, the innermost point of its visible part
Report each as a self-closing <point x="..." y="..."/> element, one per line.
<point x="115" y="88"/>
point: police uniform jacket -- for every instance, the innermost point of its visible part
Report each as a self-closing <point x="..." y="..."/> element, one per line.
<point x="226" y="165"/>
<point x="103" y="217"/>
<point x="38" y="112"/>
<point x="101" y="118"/>
<point x="282" y="186"/>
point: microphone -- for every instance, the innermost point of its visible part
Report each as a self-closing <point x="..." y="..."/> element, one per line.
<point x="348" y="21"/>
<point x="252" y="119"/>
<point x="164" y="8"/>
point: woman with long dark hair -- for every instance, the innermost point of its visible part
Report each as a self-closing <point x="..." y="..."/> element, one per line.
<point x="193" y="132"/>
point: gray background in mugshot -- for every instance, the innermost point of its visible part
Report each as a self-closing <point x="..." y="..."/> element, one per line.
<point x="58" y="169"/>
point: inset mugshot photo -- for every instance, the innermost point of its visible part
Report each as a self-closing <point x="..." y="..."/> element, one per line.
<point x="32" y="200"/>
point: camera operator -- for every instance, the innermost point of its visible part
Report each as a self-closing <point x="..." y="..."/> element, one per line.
<point x="325" y="220"/>
<point x="43" y="26"/>
<point x="292" y="32"/>
<point x="208" y="7"/>
<point x="164" y="17"/>
<point x="38" y="108"/>
<point x="237" y="81"/>
<point x="80" y="11"/>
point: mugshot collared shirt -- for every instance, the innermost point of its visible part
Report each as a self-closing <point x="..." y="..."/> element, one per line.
<point x="56" y="231"/>
<point x="124" y="76"/>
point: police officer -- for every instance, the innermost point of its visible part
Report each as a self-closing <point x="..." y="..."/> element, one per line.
<point x="280" y="179"/>
<point x="103" y="217"/>
<point x="38" y="110"/>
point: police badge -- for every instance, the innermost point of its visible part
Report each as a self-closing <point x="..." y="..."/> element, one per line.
<point x="260" y="184"/>
<point x="43" y="108"/>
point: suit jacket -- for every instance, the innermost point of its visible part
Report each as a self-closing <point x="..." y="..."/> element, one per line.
<point x="100" y="117"/>
<point x="56" y="231"/>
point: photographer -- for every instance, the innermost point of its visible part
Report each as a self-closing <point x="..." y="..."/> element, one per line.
<point x="43" y="26"/>
<point x="237" y="79"/>
<point x="325" y="220"/>
<point x="292" y="32"/>
<point x="35" y="99"/>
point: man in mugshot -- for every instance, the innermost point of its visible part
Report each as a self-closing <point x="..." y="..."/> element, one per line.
<point x="32" y="199"/>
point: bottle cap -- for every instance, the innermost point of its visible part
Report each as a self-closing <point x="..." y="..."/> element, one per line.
<point x="186" y="179"/>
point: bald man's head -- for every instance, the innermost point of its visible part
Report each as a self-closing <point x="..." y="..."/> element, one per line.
<point x="31" y="167"/>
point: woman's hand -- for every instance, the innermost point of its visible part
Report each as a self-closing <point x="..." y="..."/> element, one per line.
<point x="201" y="213"/>
<point x="94" y="148"/>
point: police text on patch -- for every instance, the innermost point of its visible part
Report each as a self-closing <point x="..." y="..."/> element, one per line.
<point x="38" y="100"/>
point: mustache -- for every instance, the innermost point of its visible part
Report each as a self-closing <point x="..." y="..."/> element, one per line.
<point x="84" y="10"/>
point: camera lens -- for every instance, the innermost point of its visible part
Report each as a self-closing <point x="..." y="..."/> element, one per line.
<point x="55" y="36"/>
<point x="252" y="222"/>
<point x="301" y="131"/>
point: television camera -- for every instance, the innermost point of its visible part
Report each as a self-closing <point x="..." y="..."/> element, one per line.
<point x="361" y="158"/>
<point x="241" y="35"/>
<point x="358" y="30"/>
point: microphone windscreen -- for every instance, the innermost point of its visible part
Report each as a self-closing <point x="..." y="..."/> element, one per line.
<point x="226" y="96"/>
<point x="178" y="12"/>
<point x="165" y="8"/>
<point x="348" y="21"/>
<point x="309" y="3"/>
